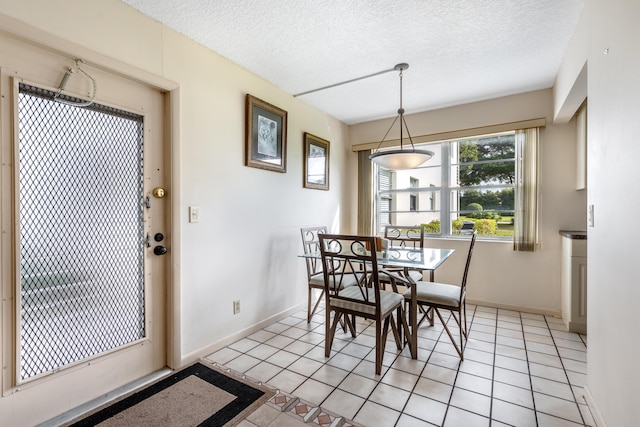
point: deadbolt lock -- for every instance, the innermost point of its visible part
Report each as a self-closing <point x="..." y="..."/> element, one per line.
<point x="159" y="192"/>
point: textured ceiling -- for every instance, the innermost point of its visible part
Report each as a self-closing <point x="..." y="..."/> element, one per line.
<point x="458" y="51"/>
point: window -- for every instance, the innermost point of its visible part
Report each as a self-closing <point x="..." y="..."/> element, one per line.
<point x="467" y="180"/>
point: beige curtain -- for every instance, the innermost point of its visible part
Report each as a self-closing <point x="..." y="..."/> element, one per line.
<point x="525" y="230"/>
<point x="365" y="194"/>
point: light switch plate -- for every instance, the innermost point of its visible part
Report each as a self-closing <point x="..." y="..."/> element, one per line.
<point x="194" y="214"/>
<point x="590" y="218"/>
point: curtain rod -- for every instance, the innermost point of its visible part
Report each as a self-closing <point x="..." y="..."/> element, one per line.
<point x="459" y="133"/>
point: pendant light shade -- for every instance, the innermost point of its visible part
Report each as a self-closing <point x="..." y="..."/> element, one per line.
<point x="400" y="158"/>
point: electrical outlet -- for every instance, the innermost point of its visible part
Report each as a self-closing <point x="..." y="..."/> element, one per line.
<point x="236" y="307"/>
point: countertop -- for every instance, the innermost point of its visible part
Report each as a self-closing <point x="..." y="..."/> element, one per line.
<point x="574" y="234"/>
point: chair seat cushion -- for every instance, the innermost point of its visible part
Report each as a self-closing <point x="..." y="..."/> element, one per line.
<point x="436" y="293"/>
<point x="388" y="300"/>
<point x="414" y="274"/>
<point x="317" y="280"/>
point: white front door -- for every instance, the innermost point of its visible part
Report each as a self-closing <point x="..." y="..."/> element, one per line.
<point x="85" y="243"/>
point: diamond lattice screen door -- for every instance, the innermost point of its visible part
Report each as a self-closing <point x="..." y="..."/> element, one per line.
<point x="84" y="207"/>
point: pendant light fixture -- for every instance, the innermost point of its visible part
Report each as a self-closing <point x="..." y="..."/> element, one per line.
<point x="400" y="158"/>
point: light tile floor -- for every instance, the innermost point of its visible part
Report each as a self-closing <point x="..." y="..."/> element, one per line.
<point x="520" y="369"/>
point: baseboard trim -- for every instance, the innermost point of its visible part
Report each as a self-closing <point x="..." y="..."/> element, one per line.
<point x="67" y="416"/>
<point x="212" y="348"/>
<point x="577" y="327"/>
<point x="597" y="416"/>
<point x="524" y="309"/>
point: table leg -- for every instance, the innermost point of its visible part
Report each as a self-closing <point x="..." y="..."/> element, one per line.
<point x="413" y="315"/>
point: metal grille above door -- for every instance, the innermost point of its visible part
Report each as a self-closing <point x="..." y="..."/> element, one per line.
<point x="81" y="231"/>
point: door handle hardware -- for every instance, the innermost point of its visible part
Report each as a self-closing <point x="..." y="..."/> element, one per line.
<point x="160" y="250"/>
<point x="159" y="192"/>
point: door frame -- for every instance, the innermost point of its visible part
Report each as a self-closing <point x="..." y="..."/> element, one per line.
<point x="171" y="91"/>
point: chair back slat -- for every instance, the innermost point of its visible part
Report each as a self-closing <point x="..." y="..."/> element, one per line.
<point x="311" y="244"/>
<point x="463" y="287"/>
<point x="405" y="236"/>
<point x="347" y="262"/>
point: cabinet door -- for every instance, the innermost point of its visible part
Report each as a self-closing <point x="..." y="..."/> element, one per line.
<point x="579" y="290"/>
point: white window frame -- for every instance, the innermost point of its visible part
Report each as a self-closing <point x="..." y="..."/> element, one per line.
<point x="442" y="192"/>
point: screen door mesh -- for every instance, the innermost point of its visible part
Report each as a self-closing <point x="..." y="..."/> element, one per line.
<point x="80" y="185"/>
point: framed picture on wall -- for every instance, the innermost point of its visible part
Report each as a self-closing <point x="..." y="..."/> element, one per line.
<point x="316" y="162"/>
<point x="266" y="135"/>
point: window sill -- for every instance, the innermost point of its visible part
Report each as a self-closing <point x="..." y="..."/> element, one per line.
<point x="504" y="240"/>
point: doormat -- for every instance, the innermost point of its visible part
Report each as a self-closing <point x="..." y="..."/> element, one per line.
<point x="198" y="395"/>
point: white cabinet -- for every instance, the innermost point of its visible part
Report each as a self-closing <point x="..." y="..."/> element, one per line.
<point x="574" y="281"/>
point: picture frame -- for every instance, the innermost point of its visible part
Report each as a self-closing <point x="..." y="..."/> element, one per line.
<point x="265" y="135"/>
<point x="315" y="162"/>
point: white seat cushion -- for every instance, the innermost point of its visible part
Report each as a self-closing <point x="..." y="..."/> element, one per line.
<point x="414" y="274"/>
<point x="388" y="300"/>
<point x="317" y="280"/>
<point x="436" y="293"/>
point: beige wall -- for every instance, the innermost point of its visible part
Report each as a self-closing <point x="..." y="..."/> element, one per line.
<point x="500" y="276"/>
<point x="264" y="210"/>
<point x="246" y="244"/>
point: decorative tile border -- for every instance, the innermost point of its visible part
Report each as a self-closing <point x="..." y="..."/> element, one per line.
<point x="305" y="412"/>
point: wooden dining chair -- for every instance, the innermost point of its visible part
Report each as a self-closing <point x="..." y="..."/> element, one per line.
<point x="407" y="237"/>
<point x="434" y="297"/>
<point x="365" y="299"/>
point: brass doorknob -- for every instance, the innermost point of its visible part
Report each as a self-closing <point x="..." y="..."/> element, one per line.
<point x="159" y="192"/>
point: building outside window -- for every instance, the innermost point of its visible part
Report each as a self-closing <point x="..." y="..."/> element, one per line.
<point x="467" y="180"/>
<point x="385" y="198"/>
<point x="432" y="198"/>
<point x="413" y="197"/>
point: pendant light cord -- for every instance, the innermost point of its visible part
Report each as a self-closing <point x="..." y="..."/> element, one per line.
<point x="401" y="110"/>
<point x="403" y="122"/>
<point x="400" y="158"/>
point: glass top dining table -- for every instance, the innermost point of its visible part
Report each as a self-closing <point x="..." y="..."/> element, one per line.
<point x="426" y="259"/>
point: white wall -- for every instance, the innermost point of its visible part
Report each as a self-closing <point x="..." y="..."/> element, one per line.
<point x="613" y="152"/>
<point x="570" y="86"/>
<point x="246" y="244"/>
<point x="498" y="275"/>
